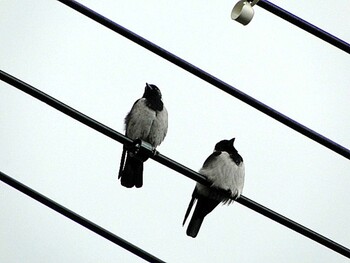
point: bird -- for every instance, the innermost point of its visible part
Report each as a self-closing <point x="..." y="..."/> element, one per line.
<point x="224" y="169"/>
<point x="147" y="121"/>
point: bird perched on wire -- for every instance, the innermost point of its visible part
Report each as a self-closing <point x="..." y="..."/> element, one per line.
<point x="224" y="169"/>
<point x="147" y="121"/>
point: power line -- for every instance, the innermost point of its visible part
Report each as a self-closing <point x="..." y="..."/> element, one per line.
<point x="295" y="226"/>
<point x="209" y="78"/>
<point x="299" y="22"/>
<point x="78" y="219"/>
<point x="58" y="105"/>
<point x="169" y="162"/>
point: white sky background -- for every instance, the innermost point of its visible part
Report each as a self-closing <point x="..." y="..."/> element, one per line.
<point x="101" y="74"/>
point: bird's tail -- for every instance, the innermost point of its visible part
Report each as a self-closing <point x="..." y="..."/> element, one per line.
<point x="204" y="206"/>
<point x="130" y="173"/>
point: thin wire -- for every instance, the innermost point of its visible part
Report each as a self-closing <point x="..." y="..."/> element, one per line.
<point x="299" y="22"/>
<point x="78" y="219"/>
<point x="209" y="78"/>
<point x="170" y="163"/>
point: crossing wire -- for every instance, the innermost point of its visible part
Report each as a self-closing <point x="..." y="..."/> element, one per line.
<point x="78" y="219"/>
<point x="209" y="78"/>
<point x="169" y="162"/>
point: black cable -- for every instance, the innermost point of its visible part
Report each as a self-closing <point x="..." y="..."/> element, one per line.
<point x="78" y="219"/>
<point x="295" y="226"/>
<point x="169" y="162"/>
<point x="297" y="21"/>
<point x="58" y="105"/>
<point x="209" y="78"/>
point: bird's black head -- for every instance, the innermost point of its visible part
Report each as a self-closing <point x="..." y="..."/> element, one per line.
<point x="226" y="146"/>
<point x="154" y="97"/>
<point x="152" y="91"/>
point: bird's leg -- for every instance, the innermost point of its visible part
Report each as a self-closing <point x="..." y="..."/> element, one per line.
<point x="141" y="150"/>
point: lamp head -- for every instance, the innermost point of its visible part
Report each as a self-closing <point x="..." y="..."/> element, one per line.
<point x="243" y="11"/>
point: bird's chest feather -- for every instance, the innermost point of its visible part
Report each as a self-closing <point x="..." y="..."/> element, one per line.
<point x="146" y="124"/>
<point x="224" y="173"/>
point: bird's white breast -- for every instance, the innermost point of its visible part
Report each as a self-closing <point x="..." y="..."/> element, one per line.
<point x="224" y="174"/>
<point x="147" y="124"/>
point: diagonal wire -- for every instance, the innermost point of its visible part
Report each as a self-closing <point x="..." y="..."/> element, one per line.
<point x="209" y="78"/>
<point x="169" y="162"/>
<point x="78" y="219"/>
<point x="299" y="22"/>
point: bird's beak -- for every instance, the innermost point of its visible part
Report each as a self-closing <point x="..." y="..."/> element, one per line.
<point x="148" y="87"/>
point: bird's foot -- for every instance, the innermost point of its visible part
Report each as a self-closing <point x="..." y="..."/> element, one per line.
<point x="141" y="150"/>
<point x="154" y="151"/>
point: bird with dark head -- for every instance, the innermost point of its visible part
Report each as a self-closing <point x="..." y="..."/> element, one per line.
<point x="224" y="169"/>
<point x="154" y="97"/>
<point x="147" y="121"/>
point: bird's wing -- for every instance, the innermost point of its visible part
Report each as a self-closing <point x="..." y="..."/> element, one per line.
<point x="211" y="160"/>
<point x="239" y="177"/>
<point x="159" y="128"/>
<point x="163" y="119"/>
<point x="128" y="116"/>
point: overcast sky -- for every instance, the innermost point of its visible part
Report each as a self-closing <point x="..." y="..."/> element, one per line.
<point x="101" y="74"/>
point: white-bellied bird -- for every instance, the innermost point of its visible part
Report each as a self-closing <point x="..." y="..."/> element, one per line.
<point x="148" y="121"/>
<point x="224" y="169"/>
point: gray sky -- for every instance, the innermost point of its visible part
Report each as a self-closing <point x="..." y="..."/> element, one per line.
<point x="101" y="74"/>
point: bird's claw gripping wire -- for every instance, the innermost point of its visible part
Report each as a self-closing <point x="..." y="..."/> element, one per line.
<point x="141" y="150"/>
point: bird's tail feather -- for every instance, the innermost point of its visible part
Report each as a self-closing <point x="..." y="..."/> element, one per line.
<point x="194" y="226"/>
<point x="204" y="206"/>
<point x="188" y="209"/>
<point x="122" y="162"/>
<point x="131" y="175"/>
